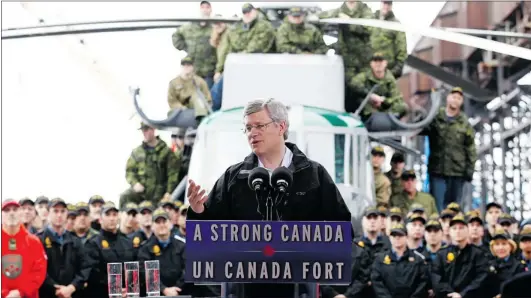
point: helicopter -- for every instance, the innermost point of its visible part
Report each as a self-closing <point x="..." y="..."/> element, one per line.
<point x="321" y="128"/>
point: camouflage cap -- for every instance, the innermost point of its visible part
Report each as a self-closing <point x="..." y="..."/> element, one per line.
<point x="382" y="211"/>
<point x="247" y="7"/>
<point x="493" y="204"/>
<point x="187" y="61"/>
<point x="25" y="201"/>
<point x="459" y="218"/>
<point x="72" y="211"/>
<point x="160" y="213"/>
<point x="416" y="217"/>
<point x="109" y="206"/>
<point x="130" y="207"/>
<point x="57" y="201"/>
<point x="457" y="90"/>
<point x="398" y="230"/>
<point x="378" y="56"/>
<point x="525" y="234"/>
<point x="454" y="207"/>
<point x="9" y="202"/>
<point x="378" y="150"/>
<point x="42" y="200"/>
<point x="433" y="225"/>
<point x="505" y="219"/>
<point x="371" y="211"/>
<point x="417" y="207"/>
<point x="398" y="157"/>
<point x="96" y="199"/>
<point x="409" y="174"/>
<point x="474" y="215"/>
<point x="144" y="126"/>
<point x="296" y="11"/>
<point x="82" y="206"/>
<point x="145" y="206"/>
<point x="447" y="213"/>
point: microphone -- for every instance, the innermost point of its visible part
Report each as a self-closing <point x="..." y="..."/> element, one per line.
<point x="281" y="179"/>
<point x="258" y="181"/>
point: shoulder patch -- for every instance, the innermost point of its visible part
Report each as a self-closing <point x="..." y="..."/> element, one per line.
<point x="48" y="242"/>
<point x="419" y="254"/>
<point x="104" y="244"/>
<point x="387" y="260"/>
<point x="361" y="244"/>
<point x="156" y="250"/>
<point x="136" y="241"/>
<point x="182" y="239"/>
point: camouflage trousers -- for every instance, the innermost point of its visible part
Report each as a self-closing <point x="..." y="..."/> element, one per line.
<point x="131" y="196"/>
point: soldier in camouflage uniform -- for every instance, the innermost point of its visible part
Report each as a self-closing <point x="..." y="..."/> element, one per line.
<point x="395" y="174"/>
<point x="410" y="195"/>
<point x="296" y="36"/>
<point x="353" y="40"/>
<point x="194" y="39"/>
<point x="253" y="35"/>
<point x="386" y="97"/>
<point x="389" y="42"/>
<point x="382" y="185"/>
<point x="189" y="90"/>
<point x="452" y="151"/>
<point x="152" y="170"/>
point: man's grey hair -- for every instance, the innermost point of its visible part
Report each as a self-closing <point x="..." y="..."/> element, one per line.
<point x="276" y="110"/>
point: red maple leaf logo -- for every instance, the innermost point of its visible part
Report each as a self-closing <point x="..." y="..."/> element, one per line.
<point x="268" y="251"/>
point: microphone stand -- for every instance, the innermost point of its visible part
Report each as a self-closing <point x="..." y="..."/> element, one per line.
<point x="278" y="200"/>
<point x="269" y="208"/>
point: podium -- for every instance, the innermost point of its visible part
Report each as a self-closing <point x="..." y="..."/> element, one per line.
<point x="238" y="253"/>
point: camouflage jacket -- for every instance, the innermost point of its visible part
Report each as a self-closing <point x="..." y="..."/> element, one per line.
<point x="256" y="37"/>
<point x="353" y="40"/>
<point x="452" y="146"/>
<point x="183" y="93"/>
<point x="396" y="182"/>
<point x="194" y="40"/>
<point x="157" y="169"/>
<point x="362" y="83"/>
<point x="392" y="44"/>
<point x="404" y="202"/>
<point x="382" y="188"/>
<point x="301" y="38"/>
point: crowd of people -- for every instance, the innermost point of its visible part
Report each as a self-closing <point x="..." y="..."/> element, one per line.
<point x="414" y="244"/>
<point x="371" y="55"/>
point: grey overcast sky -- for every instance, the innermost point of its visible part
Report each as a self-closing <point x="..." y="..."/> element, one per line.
<point x="65" y="132"/>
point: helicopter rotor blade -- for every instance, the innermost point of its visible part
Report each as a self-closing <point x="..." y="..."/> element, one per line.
<point x="103" y="26"/>
<point x="441" y="34"/>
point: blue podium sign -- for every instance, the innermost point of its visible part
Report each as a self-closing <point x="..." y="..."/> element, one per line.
<point x="268" y="252"/>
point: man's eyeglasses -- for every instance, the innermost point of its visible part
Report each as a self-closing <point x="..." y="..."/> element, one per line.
<point x="260" y="127"/>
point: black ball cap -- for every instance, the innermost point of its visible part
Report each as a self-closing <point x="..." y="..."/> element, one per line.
<point x="57" y="201"/>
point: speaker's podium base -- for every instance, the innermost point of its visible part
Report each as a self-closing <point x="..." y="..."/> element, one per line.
<point x="312" y="289"/>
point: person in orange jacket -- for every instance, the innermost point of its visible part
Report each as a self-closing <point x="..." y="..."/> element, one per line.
<point x="24" y="261"/>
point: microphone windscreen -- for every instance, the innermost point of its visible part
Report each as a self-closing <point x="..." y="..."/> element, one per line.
<point x="257" y="173"/>
<point x="281" y="173"/>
